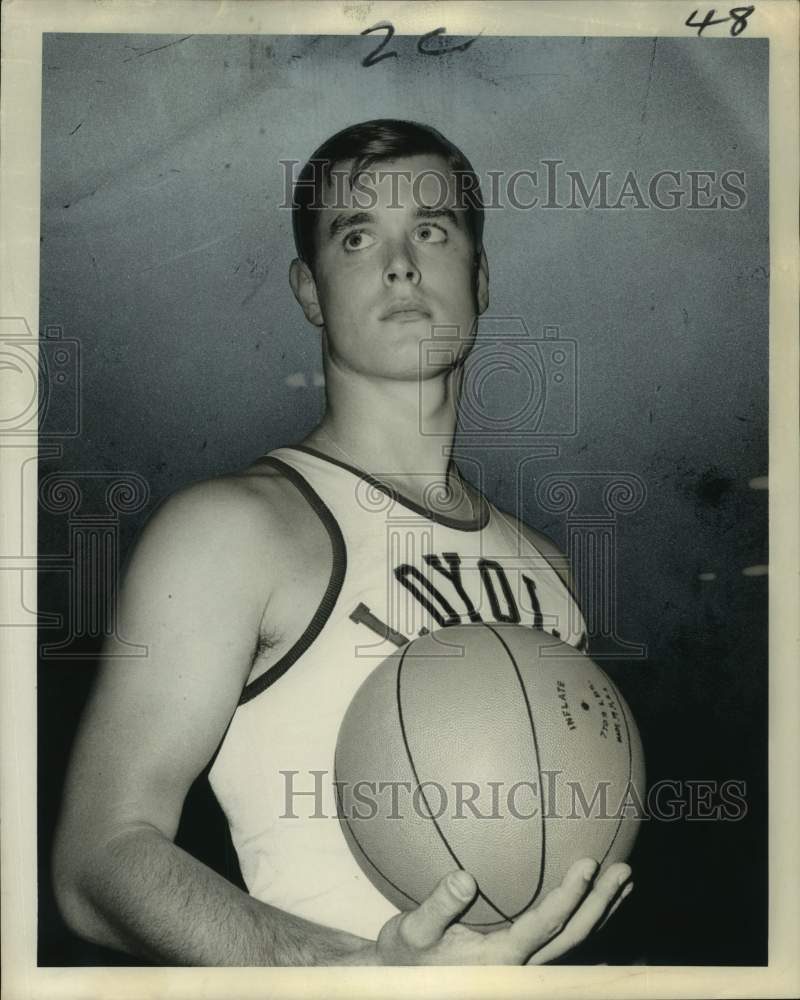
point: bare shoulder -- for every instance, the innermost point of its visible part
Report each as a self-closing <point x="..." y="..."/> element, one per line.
<point x="217" y="549"/>
<point x="258" y="491"/>
<point x="248" y="512"/>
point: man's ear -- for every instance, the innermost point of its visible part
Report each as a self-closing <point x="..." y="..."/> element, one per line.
<point x="305" y="291"/>
<point x="482" y="291"/>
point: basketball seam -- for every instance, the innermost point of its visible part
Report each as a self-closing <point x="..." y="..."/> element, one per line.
<point x="444" y="840"/>
<point x="344" y="819"/>
<point x="538" y="766"/>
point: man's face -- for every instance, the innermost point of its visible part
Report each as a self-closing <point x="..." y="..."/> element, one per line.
<point x="395" y="260"/>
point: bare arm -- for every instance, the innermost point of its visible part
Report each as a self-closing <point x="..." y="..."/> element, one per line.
<point x="194" y="595"/>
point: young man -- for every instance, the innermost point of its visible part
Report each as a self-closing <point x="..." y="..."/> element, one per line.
<point x="266" y="598"/>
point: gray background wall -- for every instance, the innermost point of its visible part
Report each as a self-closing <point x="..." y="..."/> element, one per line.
<point x="164" y="254"/>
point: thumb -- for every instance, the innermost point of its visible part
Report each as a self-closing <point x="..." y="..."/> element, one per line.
<point x="424" y="926"/>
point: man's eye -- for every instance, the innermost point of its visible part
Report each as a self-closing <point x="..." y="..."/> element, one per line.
<point x="430" y="234"/>
<point x="357" y="240"/>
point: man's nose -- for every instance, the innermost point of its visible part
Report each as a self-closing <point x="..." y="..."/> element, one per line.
<point x="401" y="266"/>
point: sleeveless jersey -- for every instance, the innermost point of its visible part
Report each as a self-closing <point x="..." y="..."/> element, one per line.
<point x="398" y="570"/>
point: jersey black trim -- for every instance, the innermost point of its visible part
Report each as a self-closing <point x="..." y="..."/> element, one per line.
<point x="476" y="524"/>
<point x="330" y="596"/>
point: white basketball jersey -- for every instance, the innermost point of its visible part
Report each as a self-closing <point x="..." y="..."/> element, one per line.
<point x="398" y="570"/>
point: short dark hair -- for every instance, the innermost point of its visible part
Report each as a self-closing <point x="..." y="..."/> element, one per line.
<point x="370" y="142"/>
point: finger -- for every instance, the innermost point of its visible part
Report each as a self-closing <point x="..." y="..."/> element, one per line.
<point x="588" y="915"/>
<point x="538" y="926"/>
<point x="423" y="927"/>
<point x="626" y="891"/>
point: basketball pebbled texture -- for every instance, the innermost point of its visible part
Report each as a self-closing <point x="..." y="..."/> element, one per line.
<point x="495" y="748"/>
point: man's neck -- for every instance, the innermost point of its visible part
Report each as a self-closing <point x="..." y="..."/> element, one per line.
<point x="399" y="431"/>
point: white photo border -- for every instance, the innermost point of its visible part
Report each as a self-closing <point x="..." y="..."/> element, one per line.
<point x="23" y="22"/>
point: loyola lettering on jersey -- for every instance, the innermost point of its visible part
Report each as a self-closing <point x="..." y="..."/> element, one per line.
<point x="460" y="591"/>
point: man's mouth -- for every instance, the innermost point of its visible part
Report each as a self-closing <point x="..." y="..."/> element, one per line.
<point x="406" y="312"/>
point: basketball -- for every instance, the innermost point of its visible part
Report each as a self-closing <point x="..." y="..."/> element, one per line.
<point x="494" y="748"/>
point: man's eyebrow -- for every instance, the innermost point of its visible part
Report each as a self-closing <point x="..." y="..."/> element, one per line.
<point x="436" y="213"/>
<point x="342" y="222"/>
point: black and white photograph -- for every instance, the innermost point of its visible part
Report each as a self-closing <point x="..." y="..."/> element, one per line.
<point x="402" y="445"/>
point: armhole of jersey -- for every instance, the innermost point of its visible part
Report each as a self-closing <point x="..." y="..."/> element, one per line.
<point x="329" y="598"/>
<point x="503" y="518"/>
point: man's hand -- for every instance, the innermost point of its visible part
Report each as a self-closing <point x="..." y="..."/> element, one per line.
<point x="564" y="918"/>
